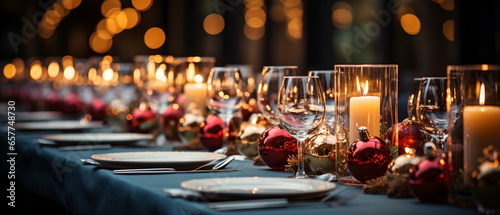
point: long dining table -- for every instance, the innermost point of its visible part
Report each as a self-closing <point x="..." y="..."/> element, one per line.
<point x="55" y="181"/>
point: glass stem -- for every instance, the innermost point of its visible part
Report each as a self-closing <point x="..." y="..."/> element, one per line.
<point x="301" y="173"/>
<point x="225" y="136"/>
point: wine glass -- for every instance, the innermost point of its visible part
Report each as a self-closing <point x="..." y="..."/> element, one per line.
<point x="412" y="100"/>
<point x="224" y="97"/>
<point x="269" y="85"/>
<point x="301" y="111"/>
<point x="326" y="80"/>
<point x="431" y="108"/>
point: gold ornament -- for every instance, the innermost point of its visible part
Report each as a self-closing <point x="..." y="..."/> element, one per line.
<point x="398" y="174"/>
<point x="249" y="135"/>
<point x="320" y="152"/>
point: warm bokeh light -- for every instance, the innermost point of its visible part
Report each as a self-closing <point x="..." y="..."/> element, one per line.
<point x="294" y="13"/>
<point x="448" y="5"/>
<point x="410" y="24"/>
<point x="100" y="41"/>
<point x="71" y="4"/>
<point x="198" y="78"/>
<point x="142" y="5"/>
<point x="342" y="15"/>
<point x="36" y="70"/>
<point x="69" y="72"/>
<point x="107" y="74"/>
<point x="109" y="7"/>
<point x="449" y="30"/>
<point x="253" y="33"/>
<point x="133" y="17"/>
<point x="213" y="24"/>
<point x="53" y="69"/>
<point x="295" y="28"/>
<point x="67" y="61"/>
<point x="9" y="71"/>
<point x="255" y="17"/>
<point x="154" y="38"/>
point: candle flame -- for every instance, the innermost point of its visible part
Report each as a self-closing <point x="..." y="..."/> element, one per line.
<point x="69" y="72"/>
<point x="198" y="78"/>
<point x="107" y="75"/>
<point x="190" y="72"/>
<point x="357" y="84"/>
<point x="481" y="95"/>
<point x="160" y="73"/>
<point x="365" y="91"/>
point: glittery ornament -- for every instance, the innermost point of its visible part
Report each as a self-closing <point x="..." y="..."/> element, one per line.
<point x="320" y="152"/>
<point x="368" y="157"/>
<point x="72" y="104"/>
<point x="427" y="180"/>
<point x="408" y="136"/>
<point x="248" y="138"/>
<point x="486" y="182"/>
<point x="275" y="145"/>
<point x="170" y="119"/>
<point x="143" y="120"/>
<point x="97" y="109"/>
<point x="189" y="127"/>
<point x="398" y="173"/>
<point x="210" y="132"/>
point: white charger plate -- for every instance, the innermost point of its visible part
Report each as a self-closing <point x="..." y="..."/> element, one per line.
<point x="175" y="159"/>
<point x="95" y="138"/>
<point x="58" y="125"/>
<point x="259" y="187"/>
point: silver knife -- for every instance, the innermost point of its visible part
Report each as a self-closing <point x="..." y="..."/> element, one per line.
<point x="118" y="172"/>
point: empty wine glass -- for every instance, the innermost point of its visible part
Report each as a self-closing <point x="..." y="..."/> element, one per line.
<point x="225" y="95"/>
<point x="269" y="85"/>
<point x="301" y="111"/>
<point x="431" y="108"/>
<point x="326" y="80"/>
<point x="412" y="100"/>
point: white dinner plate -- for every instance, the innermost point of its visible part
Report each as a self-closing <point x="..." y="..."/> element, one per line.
<point x="259" y="187"/>
<point x="58" y="125"/>
<point x="95" y="138"/>
<point x="175" y="159"/>
<point x="23" y="116"/>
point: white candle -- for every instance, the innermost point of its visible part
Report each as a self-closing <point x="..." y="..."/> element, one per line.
<point x="364" y="111"/>
<point x="481" y="128"/>
<point x="195" y="94"/>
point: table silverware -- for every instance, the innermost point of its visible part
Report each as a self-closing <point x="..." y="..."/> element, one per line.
<point x="219" y="165"/>
<point x="118" y="172"/>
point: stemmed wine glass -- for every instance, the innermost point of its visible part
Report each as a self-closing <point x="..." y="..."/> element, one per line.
<point x="431" y="108"/>
<point x="301" y="111"/>
<point x="412" y="100"/>
<point x="326" y="78"/>
<point x="224" y="97"/>
<point x="269" y="85"/>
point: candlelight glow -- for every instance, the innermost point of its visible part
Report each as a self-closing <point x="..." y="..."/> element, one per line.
<point x="365" y="91"/>
<point x="160" y="73"/>
<point x="9" y="71"/>
<point x="481" y="95"/>
<point x="107" y="75"/>
<point x="69" y="72"/>
<point x="36" y="70"/>
<point x="198" y="78"/>
<point x="190" y="72"/>
<point x="53" y="69"/>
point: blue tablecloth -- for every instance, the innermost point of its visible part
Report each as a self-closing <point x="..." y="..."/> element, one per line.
<point x="59" y="178"/>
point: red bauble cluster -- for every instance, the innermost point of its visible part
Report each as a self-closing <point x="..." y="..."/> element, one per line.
<point x="97" y="109"/>
<point x="427" y="181"/>
<point x="211" y="131"/>
<point x="143" y="120"/>
<point x="275" y="145"/>
<point x="170" y="119"/>
<point x="72" y="104"/>
<point x="409" y="136"/>
<point x="368" y="157"/>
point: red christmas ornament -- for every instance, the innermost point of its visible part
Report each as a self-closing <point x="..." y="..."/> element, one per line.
<point x="143" y="120"/>
<point x="72" y="104"/>
<point x="211" y="131"/>
<point x="368" y="157"/>
<point x="409" y="136"/>
<point x="173" y="113"/>
<point x="275" y="145"/>
<point x="97" y="109"/>
<point x="427" y="181"/>
<point x="52" y="102"/>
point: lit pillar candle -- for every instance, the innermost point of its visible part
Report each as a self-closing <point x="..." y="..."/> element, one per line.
<point x="481" y="128"/>
<point x="364" y="111"/>
<point x="196" y="94"/>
